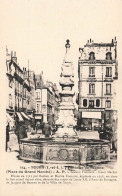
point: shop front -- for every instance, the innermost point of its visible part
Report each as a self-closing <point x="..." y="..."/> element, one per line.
<point x="91" y="120"/>
<point x="38" y="121"/>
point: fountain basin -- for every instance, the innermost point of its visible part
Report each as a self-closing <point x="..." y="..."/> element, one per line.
<point x="47" y="150"/>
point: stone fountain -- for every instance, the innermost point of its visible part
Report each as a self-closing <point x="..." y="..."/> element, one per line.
<point x="65" y="147"/>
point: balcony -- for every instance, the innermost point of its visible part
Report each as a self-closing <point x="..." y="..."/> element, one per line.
<point x="108" y="94"/>
<point x="87" y="61"/>
<point x="108" y="78"/>
<point x="38" y="98"/>
<point x="92" y="76"/>
<point x="91" y="107"/>
<point x="91" y="94"/>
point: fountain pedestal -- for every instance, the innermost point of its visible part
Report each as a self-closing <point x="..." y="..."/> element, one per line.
<point x="70" y="152"/>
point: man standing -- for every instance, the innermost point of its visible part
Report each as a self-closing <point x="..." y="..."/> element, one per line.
<point x="47" y="130"/>
<point x="20" y="131"/>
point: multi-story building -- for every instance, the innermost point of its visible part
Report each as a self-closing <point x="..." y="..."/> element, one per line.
<point x="20" y="89"/>
<point x="29" y="80"/>
<point x="52" y="102"/>
<point x="10" y="89"/>
<point x="98" y="74"/>
<point x="47" y="101"/>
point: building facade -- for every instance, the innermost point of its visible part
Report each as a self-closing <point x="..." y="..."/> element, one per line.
<point x="29" y="80"/>
<point x="10" y="88"/>
<point x="98" y="74"/>
<point x="20" y="89"/>
<point x="47" y="101"/>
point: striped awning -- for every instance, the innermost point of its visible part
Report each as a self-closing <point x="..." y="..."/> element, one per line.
<point x="9" y="117"/>
<point x="19" y="116"/>
<point x="30" y="116"/>
<point x="25" y="116"/>
<point x="10" y="120"/>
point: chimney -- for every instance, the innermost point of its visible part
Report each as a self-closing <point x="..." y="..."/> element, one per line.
<point x="11" y="53"/>
<point x="90" y="40"/>
<point x="14" y="54"/>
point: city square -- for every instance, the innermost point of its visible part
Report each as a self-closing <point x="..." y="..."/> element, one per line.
<point x="65" y="123"/>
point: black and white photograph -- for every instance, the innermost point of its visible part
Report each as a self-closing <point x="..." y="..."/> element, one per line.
<point x="60" y="98"/>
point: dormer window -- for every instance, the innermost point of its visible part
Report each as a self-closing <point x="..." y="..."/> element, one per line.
<point x="108" y="56"/>
<point x="92" y="56"/>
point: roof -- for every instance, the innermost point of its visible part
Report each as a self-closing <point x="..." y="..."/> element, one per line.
<point x="99" y="45"/>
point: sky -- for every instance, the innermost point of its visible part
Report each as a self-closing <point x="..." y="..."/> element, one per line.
<point x="38" y="29"/>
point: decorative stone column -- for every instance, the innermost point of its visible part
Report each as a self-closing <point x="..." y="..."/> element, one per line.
<point x="66" y="122"/>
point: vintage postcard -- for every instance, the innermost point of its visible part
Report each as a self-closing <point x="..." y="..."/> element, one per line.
<point x="60" y="103"/>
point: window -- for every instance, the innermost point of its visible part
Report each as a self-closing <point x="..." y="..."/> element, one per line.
<point x="91" y="71"/>
<point x="107" y="115"/>
<point x="108" y="71"/>
<point x="91" y="104"/>
<point x="91" y="88"/>
<point x="38" y="108"/>
<point x="85" y="102"/>
<point x="10" y="83"/>
<point x="108" y="88"/>
<point x="38" y="95"/>
<point x="37" y="83"/>
<point x="10" y="101"/>
<point x="108" y="104"/>
<point x="97" y="103"/>
<point x="108" y="56"/>
<point x="92" y="56"/>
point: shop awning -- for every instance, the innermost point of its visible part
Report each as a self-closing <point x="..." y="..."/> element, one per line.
<point x="95" y="115"/>
<point x="9" y="117"/>
<point x="10" y="120"/>
<point x="25" y="116"/>
<point x="19" y="116"/>
<point x="30" y="116"/>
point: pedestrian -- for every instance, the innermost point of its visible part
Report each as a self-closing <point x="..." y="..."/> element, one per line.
<point x="102" y="132"/>
<point x="47" y="130"/>
<point x="7" y="136"/>
<point x="21" y="131"/>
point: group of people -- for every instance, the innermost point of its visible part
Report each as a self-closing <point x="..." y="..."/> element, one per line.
<point x="47" y="129"/>
<point x="22" y="129"/>
<point x="110" y="135"/>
